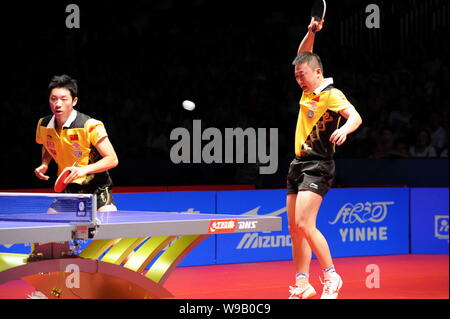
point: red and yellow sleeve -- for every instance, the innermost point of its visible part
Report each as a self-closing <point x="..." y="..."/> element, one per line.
<point x="96" y="131"/>
<point x="337" y="101"/>
<point x="38" y="132"/>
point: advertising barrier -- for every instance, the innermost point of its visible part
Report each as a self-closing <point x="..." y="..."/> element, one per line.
<point x="366" y="221"/>
<point x="251" y="247"/>
<point x="429" y="220"/>
<point x="355" y="222"/>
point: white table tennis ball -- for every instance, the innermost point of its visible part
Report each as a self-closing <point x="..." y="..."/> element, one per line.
<point x="188" y="105"/>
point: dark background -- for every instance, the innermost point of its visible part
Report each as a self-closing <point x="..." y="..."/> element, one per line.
<point x="136" y="61"/>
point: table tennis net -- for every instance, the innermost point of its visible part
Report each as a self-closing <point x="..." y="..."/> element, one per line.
<point x="47" y="207"/>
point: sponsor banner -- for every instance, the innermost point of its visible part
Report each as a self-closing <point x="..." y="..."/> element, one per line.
<point x="252" y="247"/>
<point x="366" y="221"/>
<point x="429" y="220"/>
<point x="355" y="222"/>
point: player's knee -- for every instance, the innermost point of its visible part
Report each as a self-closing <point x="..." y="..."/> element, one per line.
<point x="304" y="227"/>
<point x="294" y="231"/>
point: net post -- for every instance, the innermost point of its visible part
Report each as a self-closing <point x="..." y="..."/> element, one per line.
<point x="94" y="208"/>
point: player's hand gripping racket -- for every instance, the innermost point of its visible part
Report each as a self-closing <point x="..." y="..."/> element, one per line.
<point x="318" y="10"/>
<point x="59" y="184"/>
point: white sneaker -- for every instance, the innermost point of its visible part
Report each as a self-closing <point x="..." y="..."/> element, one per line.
<point x="37" y="295"/>
<point x="331" y="287"/>
<point x="302" y="293"/>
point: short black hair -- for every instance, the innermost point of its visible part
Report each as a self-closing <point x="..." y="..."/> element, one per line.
<point x="312" y="59"/>
<point x="64" y="81"/>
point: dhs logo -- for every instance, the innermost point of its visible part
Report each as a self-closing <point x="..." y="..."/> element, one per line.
<point x="222" y="226"/>
<point x="441" y="226"/>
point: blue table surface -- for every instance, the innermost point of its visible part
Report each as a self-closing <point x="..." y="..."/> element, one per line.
<point x="118" y="217"/>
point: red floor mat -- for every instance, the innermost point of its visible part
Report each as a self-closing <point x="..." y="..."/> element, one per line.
<point x="401" y="277"/>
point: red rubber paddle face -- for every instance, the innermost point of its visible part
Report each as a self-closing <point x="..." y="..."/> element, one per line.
<point x="59" y="184"/>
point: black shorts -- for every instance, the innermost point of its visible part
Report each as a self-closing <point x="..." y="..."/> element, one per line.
<point x="103" y="192"/>
<point x="315" y="175"/>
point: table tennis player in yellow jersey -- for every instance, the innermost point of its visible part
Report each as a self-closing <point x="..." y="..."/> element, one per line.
<point x="325" y="119"/>
<point x="77" y="143"/>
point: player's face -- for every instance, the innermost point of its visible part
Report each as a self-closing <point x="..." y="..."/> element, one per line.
<point x="307" y="78"/>
<point x="61" y="103"/>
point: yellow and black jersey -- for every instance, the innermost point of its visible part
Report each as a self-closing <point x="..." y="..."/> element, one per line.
<point x="318" y="118"/>
<point x="74" y="144"/>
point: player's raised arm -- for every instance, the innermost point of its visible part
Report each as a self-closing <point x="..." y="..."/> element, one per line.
<point x="307" y="43"/>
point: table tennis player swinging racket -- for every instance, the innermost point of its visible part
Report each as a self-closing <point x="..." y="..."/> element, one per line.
<point x="318" y="10"/>
<point x="59" y="184"/>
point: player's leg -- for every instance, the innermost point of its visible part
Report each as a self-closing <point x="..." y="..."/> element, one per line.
<point x="306" y="210"/>
<point x="301" y="254"/>
<point x="307" y="207"/>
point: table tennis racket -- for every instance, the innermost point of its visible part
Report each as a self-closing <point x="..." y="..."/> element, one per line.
<point x="59" y="184"/>
<point x="318" y="11"/>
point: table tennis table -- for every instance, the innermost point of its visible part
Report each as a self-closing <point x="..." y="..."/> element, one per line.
<point x="123" y="245"/>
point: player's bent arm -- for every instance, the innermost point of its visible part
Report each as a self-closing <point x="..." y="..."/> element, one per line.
<point x="109" y="160"/>
<point x="354" y="120"/>
<point x="109" y="157"/>
<point x="307" y="43"/>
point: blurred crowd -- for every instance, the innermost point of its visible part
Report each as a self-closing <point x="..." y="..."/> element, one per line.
<point x="404" y="107"/>
<point x="241" y="76"/>
<point x="135" y="74"/>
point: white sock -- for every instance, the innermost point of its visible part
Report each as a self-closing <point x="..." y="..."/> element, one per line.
<point x="329" y="273"/>
<point x="301" y="279"/>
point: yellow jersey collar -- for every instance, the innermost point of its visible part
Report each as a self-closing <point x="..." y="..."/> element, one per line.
<point x="69" y="121"/>
<point x="325" y="83"/>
